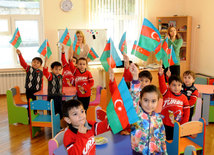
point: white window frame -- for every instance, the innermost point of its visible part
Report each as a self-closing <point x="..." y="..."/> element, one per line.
<point x="12" y="18"/>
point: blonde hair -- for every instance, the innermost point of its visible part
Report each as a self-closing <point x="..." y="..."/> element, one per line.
<point x="83" y="36"/>
<point x="178" y="36"/>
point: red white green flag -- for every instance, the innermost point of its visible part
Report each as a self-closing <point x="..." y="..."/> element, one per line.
<point x="109" y="57"/>
<point x="120" y="110"/>
<point x="16" y="40"/>
<point x="65" y="39"/>
<point x="45" y="49"/>
<point x="92" y="54"/>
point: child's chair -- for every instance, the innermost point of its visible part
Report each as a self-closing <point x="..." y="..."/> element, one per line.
<point x="197" y="114"/>
<point x="185" y="135"/>
<point x="91" y="112"/>
<point x="55" y="145"/>
<point x="17" y="96"/>
<point x="42" y="120"/>
<point x="190" y="150"/>
<point x="16" y="113"/>
<point x="97" y="99"/>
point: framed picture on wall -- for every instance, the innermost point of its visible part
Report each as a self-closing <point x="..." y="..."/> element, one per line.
<point x="172" y="24"/>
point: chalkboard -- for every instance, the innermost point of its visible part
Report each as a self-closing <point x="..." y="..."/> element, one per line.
<point x="95" y="38"/>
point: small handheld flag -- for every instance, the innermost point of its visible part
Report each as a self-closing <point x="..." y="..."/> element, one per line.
<point x="65" y="39"/>
<point x="123" y="44"/>
<point x="45" y="49"/>
<point x="76" y="47"/>
<point x="172" y="56"/>
<point x="92" y="54"/>
<point x="165" y="53"/>
<point x="16" y="40"/>
<point x="109" y="57"/>
<point x="120" y="110"/>
<point x="140" y="52"/>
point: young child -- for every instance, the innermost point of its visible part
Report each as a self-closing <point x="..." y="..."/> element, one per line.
<point x="148" y="134"/>
<point x="54" y="84"/>
<point x="79" y="137"/>
<point x="34" y="76"/>
<point x="145" y="77"/>
<point x="68" y="77"/>
<point x="175" y="104"/>
<point x="189" y="90"/>
<point x="83" y="81"/>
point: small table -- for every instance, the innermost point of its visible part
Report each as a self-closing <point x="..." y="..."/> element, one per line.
<point x="69" y="92"/>
<point x="206" y="91"/>
<point x="117" y="144"/>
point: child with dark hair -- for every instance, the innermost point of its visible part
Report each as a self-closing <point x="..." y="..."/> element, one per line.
<point x="68" y="77"/>
<point x="148" y="134"/>
<point x="83" y="80"/>
<point x="34" y="76"/>
<point x="79" y="136"/>
<point x="54" y="84"/>
<point x="175" y="103"/>
<point x="189" y="90"/>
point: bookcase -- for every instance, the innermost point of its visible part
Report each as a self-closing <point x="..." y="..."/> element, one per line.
<point x="183" y="25"/>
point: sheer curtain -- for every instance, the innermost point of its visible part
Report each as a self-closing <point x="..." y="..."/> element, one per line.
<point x="118" y="16"/>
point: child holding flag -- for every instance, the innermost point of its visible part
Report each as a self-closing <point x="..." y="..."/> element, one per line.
<point x="148" y="134"/>
<point x="34" y="76"/>
<point x="68" y="77"/>
<point x="175" y="103"/>
<point x="83" y="81"/>
<point x="54" y="84"/>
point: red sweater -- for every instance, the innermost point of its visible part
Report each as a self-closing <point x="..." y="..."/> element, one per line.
<point x="175" y="106"/>
<point x="78" y="143"/>
<point x="84" y="79"/>
<point x="68" y="77"/>
<point x="127" y="75"/>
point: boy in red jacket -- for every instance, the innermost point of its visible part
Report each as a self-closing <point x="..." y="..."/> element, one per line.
<point x="175" y="103"/>
<point x="83" y="81"/>
<point x="79" y="137"/>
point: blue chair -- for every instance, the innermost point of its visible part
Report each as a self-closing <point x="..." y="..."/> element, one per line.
<point x="43" y="120"/>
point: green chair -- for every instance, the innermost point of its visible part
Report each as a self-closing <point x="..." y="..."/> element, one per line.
<point x="16" y="113"/>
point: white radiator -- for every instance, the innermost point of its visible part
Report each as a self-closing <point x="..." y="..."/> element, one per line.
<point x="11" y="79"/>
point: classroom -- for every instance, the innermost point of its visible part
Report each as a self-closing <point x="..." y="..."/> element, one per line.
<point x="42" y="26"/>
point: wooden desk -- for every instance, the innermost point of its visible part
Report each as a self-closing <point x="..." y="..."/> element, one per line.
<point x="117" y="144"/>
<point x="206" y="91"/>
<point x="69" y="92"/>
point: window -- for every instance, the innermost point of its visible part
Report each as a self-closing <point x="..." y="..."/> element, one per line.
<point x="24" y="14"/>
<point x="118" y="16"/>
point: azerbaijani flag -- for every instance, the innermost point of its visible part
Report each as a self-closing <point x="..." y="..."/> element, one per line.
<point x="109" y="57"/>
<point x="92" y="54"/>
<point x="172" y="57"/>
<point x="150" y="37"/>
<point x="165" y="53"/>
<point x="120" y="110"/>
<point x="45" y="49"/>
<point x="76" y="47"/>
<point x="123" y="44"/>
<point x="16" y="40"/>
<point x="140" y="52"/>
<point x="158" y="53"/>
<point x="65" y="39"/>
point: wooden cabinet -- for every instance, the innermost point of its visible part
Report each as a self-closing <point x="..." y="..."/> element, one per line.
<point x="183" y="25"/>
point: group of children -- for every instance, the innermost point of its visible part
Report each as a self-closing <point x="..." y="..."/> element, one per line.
<point x="148" y="134"/>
